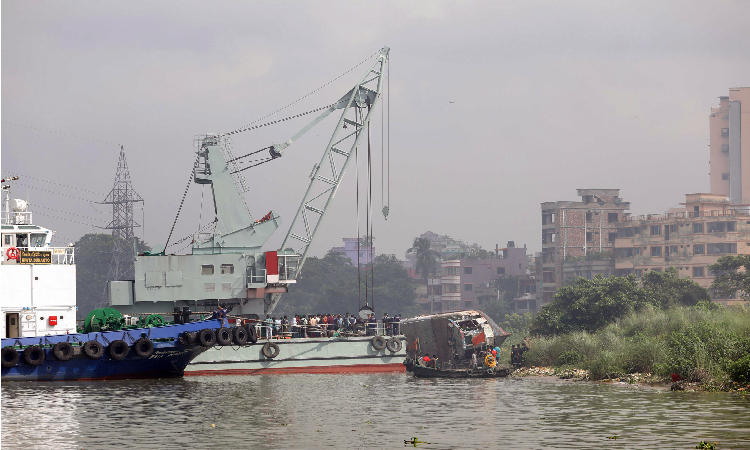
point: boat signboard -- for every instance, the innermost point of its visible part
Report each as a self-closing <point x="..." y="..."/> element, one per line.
<point x="35" y="257"/>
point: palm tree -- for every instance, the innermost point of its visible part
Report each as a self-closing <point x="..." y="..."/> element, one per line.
<point x="426" y="257"/>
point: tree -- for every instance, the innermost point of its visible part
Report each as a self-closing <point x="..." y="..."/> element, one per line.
<point x="93" y="253"/>
<point x="426" y="257"/>
<point x="666" y="289"/>
<point x="732" y="276"/>
<point x="588" y="305"/>
<point x="507" y="289"/>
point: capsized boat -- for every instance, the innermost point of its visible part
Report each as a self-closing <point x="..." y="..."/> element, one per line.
<point x="452" y="338"/>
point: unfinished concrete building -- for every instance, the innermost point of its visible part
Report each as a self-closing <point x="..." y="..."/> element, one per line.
<point x="575" y="233"/>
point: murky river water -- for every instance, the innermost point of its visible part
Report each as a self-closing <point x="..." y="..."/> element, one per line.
<point x="364" y="411"/>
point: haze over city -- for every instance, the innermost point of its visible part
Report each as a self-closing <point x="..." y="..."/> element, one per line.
<point x="495" y="107"/>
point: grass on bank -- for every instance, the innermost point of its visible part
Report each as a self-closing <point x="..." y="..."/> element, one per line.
<point x="704" y="343"/>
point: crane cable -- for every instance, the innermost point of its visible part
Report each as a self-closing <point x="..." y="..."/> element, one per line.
<point x="190" y="180"/>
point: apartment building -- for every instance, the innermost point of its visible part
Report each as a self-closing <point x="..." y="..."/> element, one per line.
<point x="356" y="250"/>
<point x="689" y="240"/>
<point x="465" y="281"/>
<point x="573" y="231"/>
<point x="729" y="153"/>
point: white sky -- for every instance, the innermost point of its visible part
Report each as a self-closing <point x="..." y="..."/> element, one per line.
<point x="549" y="97"/>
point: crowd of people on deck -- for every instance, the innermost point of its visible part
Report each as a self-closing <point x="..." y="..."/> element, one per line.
<point x="480" y="357"/>
<point x="326" y="325"/>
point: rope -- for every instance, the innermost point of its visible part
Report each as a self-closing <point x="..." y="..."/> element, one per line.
<point x="59" y="184"/>
<point x="192" y="172"/>
<point x="246" y="127"/>
<point x="249" y="128"/>
<point x="262" y="161"/>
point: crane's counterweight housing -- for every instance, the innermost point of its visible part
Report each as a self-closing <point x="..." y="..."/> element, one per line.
<point x="229" y="265"/>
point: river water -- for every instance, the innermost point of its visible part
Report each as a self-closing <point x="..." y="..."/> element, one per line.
<point x="370" y="411"/>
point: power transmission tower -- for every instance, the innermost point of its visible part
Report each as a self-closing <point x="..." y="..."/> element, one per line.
<point x="122" y="197"/>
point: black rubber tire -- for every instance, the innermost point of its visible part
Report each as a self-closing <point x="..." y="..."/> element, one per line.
<point x="240" y="335"/>
<point x="9" y="357"/>
<point x="188" y="338"/>
<point x="378" y="343"/>
<point x="34" y="355"/>
<point x="207" y="337"/>
<point x="118" y="350"/>
<point x="62" y="351"/>
<point x="93" y="349"/>
<point x="143" y="347"/>
<point x="252" y="336"/>
<point x="270" y="350"/>
<point x="224" y="336"/>
<point x="394" y="345"/>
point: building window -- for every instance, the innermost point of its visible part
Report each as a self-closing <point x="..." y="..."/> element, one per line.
<point x="467" y="270"/>
<point x="588" y="198"/>
<point x="589" y="236"/>
<point x="673" y="228"/>
<point x="725" y="132"/>
<point x="725" y="148"/>
<point x="655" y="230"/>
<point x="209" y="287"/>
<point x="725" y="176"/>
<point x="656" y="251"/>
<point x="627" y="232"/>
<point x="227" y="269"/>
<point x="612" y="217"/>
<point x="207" y="269"/>
<point x="698" y="249"/>
<point x="698" y="228"/>
<point x="721" y="249"/>
<point x="697" y="272"/>
<point x="672" y="249"/>
<point x="721" y="227"/>
<point x="612" y="237"/>
<point x="468" y="287"/>
<point x="639" y="273"/>
<point x="623" y="272"/>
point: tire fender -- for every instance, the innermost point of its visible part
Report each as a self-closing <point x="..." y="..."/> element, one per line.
<point x="143" y="347"/>
<point x="93" y="349"/>
<point x="207" y="337"/>
<point x="240" y="335"/>
<point x="394" y="345"/>
<point x="34" y="355"/>
<point x="62" y="351"/>
<point x="378" y="343"/>
<point x="224" y="336"/>
<point x="118" y="350"/>
<point x="270" y="350"/>
<point x="10" y="357"/>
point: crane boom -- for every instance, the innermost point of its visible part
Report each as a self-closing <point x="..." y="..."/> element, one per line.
<point x="358" y="105"/>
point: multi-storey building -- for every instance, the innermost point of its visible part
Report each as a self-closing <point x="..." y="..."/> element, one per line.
<point x="463" y="279"/>
<point x="688" y="240"/>
<point x="364" y="254"/>
<point x="572" y="231"/>
<point x="729" y="153"/>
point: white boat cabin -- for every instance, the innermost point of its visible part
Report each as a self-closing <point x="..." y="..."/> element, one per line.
<point x="37" y="280"/>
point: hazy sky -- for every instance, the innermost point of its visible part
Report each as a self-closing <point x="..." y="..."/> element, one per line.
<point x="495" y="106"/>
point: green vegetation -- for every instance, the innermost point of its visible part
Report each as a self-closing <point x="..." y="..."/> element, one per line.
<point x="596" y="256"/>
<point x="332" y="285"/>
<point x="589" y="305"/>
<point x="732" y="276"/>
<point x="700" y="343"/>
<point x="426" y="258"/>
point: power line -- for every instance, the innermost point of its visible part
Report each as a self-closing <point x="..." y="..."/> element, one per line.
<point x="66" y="212"/>
<point x="57" y="132"/>
<point x="55" y="192"/>
<point x="54" y="182"/>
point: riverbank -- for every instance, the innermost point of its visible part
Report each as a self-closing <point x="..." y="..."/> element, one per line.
<point x="635" y="379"/>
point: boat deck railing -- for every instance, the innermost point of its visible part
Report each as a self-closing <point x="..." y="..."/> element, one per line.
<point x="263" y="330"/>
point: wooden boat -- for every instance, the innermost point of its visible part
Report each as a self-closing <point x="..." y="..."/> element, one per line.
<point x="420" y="371"/>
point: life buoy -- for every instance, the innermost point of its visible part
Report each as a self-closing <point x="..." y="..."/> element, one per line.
<point x="270" y="350"/>
<point x="93" y="349"/>
<point x="207" y="337"/>
<point x="378" y="343"/>
<point x="12" y="253"/>
<point x="118" y="350"/>
<point x="240" y="335"/>
<point x="9" y="357"/>
<point x="62" y="351"/>
<point x="143" y="347"/>
<point x="252" y="336"/>
<point x="490" y="361"/>
<point x="224" y="336"/>
<point x="393" y="345"/>
<point x="188" y="338"/>
<point x="34" y="355"/>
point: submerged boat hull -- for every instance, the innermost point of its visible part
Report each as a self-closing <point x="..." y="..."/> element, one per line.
<point x="302" y="355"/>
